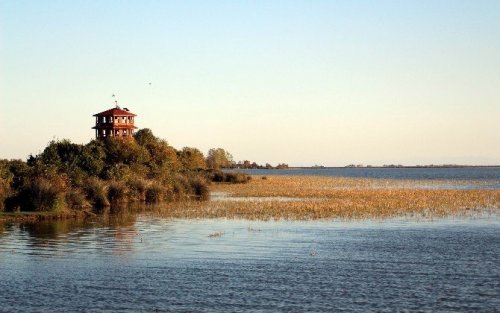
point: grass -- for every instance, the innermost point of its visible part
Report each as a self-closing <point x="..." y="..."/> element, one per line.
<point x="345" y="198"/>
<point x="304" y="198"/>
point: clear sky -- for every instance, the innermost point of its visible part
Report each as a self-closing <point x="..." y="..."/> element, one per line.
<point x="301" y="82"/>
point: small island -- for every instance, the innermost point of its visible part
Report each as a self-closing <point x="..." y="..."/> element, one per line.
<point x="120" y="167"/>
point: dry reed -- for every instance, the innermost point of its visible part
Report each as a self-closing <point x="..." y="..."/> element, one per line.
<point x="344" y="198"/>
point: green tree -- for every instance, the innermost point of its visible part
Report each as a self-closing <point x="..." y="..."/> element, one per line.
<point x="164" y="162"/>
<point x="93" y="158"/>
<point x="145" y="136"/>
<point x="63" y="155"/>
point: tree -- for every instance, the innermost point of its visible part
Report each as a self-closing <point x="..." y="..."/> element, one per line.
<point x="219" y="158"/>
<point x="61" y="154"/>
<point x="163" y="157"/>
<point x="192" y="159"/>
<point x="145" y="136"/>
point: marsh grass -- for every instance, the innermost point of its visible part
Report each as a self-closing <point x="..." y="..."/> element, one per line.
<point x="344" y="198"/>
<point x="76" y="200"/>
<point x="137" y="189"/>
<point x="117" y="193"/>
<point x="155" y="193"/>
<point x="200" y="188"/>
<point x="96" y="193"/>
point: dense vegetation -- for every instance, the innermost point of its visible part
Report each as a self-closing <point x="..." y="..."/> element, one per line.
<point x="253" y="165"/>
<point x="109" y="173"/>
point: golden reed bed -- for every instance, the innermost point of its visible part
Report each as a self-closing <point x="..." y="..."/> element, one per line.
<point x="300" y="197"/>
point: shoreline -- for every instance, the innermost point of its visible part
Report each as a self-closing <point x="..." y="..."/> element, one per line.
<point x="367" y="167"/>
<point x="20" y="217"/>
<point x="310" y="198"/>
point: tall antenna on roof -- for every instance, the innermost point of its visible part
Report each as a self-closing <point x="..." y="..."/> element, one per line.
<point x="116" y="101"/>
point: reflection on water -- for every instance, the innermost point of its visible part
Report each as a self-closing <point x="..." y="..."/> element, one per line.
<point x="133" y="263"/>
<point x="110" y="233"/>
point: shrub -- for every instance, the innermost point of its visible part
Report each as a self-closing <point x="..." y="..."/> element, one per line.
<point x="117" y="192"/>
<point x="96" y="194"/>
<point x="192" y="159"/>
<point x="181" y="187"/>
<point x="117" y="171"/>
<point x="217" y="176"/>
<point x="39" y="195"/>
<point x="76" y="200"/>
<point x="48" y="195"/>
<point x="137" y="189"/>
<point x="5" y="192"/>
<point x="12" y="203"/>
<point x="200" y="189"/>
<point x="105" y="172"/>
<point x="237" y="178"/>
<point x="19" y="171"/>
<point x="154" y="194"/>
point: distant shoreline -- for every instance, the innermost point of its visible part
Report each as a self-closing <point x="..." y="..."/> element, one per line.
<point x="367" y="167"/>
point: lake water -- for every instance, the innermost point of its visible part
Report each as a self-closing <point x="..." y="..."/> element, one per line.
<point x="453" y="178"/>
<point x="466" y="173"/>
<point x="141" y="263"/>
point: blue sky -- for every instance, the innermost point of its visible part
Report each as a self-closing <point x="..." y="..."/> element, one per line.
<point x="301" y="82"/>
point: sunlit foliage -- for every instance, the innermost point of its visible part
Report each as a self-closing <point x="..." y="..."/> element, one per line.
<point x="69" y="176"/>
<point x="219" y="158"/>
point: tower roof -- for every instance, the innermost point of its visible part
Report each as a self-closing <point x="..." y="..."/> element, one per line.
<point x="115" y="112"/>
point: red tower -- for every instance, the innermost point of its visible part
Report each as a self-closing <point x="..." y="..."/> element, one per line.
<point x="114" y="122"/>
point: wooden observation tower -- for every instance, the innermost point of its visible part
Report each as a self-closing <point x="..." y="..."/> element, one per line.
<point x="116" y="123"/>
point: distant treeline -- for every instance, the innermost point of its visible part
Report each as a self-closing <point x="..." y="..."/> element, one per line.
<point x="110" y="173"/>
<point x="253" y="165"/>
<point x="412" y="166"/>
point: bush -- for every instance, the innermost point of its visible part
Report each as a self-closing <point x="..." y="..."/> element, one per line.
<point x="181" y="187"/>
<point x="117" y="193"/>
<point x="5" y="192"/>
<point x="217" y="176"/>
<point x="237" y="178"/>
<point x="200" y="189"/>
<point x="105" y="172"/>
<point x="76" y="200"/>
<point x="137" y="189"/>
<point x="19" y="171"/>
<point x="39" y="195"/>
<point x="154" y="194"/>
<point x="96" y="194"/>
<point x="118" y="171"/>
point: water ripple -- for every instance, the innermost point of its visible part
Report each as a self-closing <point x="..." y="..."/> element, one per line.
<point x="142" y="263"/>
